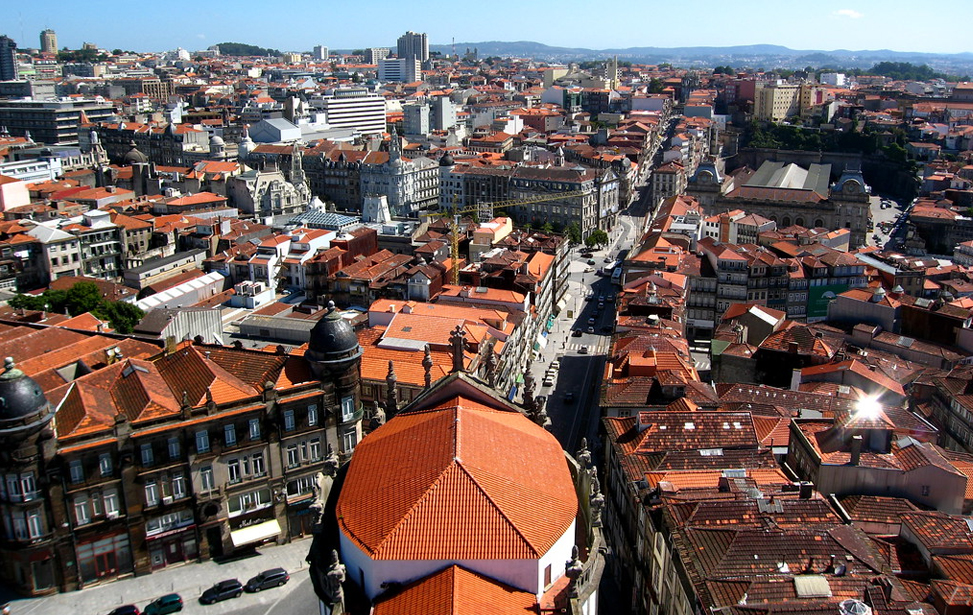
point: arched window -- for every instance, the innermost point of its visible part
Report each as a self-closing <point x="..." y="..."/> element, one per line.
<point x="818" y="223"/>
<point x="787" y="221"/>
<point x="799" y="221"/>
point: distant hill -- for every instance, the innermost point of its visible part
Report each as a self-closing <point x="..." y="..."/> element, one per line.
<point x="242" y="49"/>
<point x="754" y="56"/>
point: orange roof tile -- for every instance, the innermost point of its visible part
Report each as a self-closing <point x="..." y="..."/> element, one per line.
<point x="456" y="591"/>
<point x="418" y="484"/>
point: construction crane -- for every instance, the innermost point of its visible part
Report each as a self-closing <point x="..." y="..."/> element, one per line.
<point x="485" y="210"/>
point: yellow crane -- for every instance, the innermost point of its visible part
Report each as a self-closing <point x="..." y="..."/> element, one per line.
<point x="488" y="208"/>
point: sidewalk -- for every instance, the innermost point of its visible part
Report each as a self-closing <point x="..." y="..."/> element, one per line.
<point x="188" y="580"/>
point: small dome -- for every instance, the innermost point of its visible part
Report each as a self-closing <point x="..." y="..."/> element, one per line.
<point x="446" y="161"/>
<point x="134" y="156"/>
<point x="332" y="339"/>
<point x="20" y="396"/>
<point x="216" y="140"/>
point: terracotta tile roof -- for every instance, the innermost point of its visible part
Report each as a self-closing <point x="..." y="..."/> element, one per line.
<point x="873" y="508"/>
<point x="665" y="431"/>
<point x="187" y="370"/>
<point x="453" y="468"/>
<point x="938" y="531"/>
<point x="456" y="591"/>
<point x="957" y="568"/>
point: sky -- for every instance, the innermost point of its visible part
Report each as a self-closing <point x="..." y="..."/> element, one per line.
<point x="298" y="25"/>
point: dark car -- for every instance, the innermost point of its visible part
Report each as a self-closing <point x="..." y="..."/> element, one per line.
<point x="576" y="333"/>
<point x="170" y="603"/>
<point x="125" y="609"/>
<point x="591" y="261"/>
<point x="223" y="590"/>
<point x="569" y="397"/>
<point x="275" y="577"/>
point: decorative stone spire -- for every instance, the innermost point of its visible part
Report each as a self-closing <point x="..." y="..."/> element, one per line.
<point x="427" y="365"/>
<point x="573" y="570"/>
<point x="596" y="503"/>
<point x="530" y="404"/>
<point x="335" y="577"/>
<point x="584" y="455"/>
<point x="491" y="368"/>
<point x="391" y="395"/>
<point x="457" y="340"/>
<point x="378" y="417"/>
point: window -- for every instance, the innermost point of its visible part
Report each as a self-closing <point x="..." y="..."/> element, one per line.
<point x="302" y="485"/>
<point x="151" y="493"/>
<point x="292" y="460"/>
<point x="147" y="456"/>
<point x="304" y="455"/>
<point x="547" y="575"/>
<point x="35" y="523"/>
<point x="77" y="471"/>
<point x="288" y="420"/>
<point x="202" y="441"/>
<point x="229" y="434"/>
<point x="174" y="448"/>
<point x="207" y="483"/>
<point x="81" y="514"/>
<point x="315" y="449"/>
<point x="109" y="498"/>
<point x="349" y="440"/>
<point x="20" y="528"/>
<point x="178" y="486"/>
<point x="104" y="464"/>
<point x="233" y="470"/>
<point x="254" y="429"/>
<point x="312" y="415"/>
<point x="347" y="408"/>
<point x="258" y="464"/>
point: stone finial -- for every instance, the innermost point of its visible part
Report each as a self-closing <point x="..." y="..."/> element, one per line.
<point x="491" y="368"/>
<point x="530" y="404"/>
<point x="331" y="462"/>
<point x="378" y="417"/>
<point x="391" y="393"/>
<point x="10" y="370"/>
<point x="457" y="340"/>
<point x="335" y="576"/>
<point x="573" y="570"/>
<point x="596" y="504"/>
<point x="584" y="455"/>
<point x="427" y="365"/>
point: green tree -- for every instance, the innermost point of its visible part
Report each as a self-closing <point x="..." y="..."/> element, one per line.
<point x="597" y="237"/>
<point x="122" y="316"/>
<point x="117" y="52"/>
<point x="574" y="233"/>
<point x="547" y="228"/>
<point x="656" y="86"/>
<point x="83" y="297"/>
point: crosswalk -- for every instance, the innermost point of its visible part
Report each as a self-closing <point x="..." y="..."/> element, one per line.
<point x="599" y="346"/>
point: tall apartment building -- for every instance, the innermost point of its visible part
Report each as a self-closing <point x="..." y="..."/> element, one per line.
<point x="443" y="113"/>
<point x="320" y="52"/>
<point x="355" y="108"/>
<point x="48" y="41"/>
<point x="8" y="59"/>
<point x="51" y="122"/>
<point x="414" y="46"/>
<point x="375" y="54"/>
<point x="415" y="119"/>
<point x="405" y="70"/>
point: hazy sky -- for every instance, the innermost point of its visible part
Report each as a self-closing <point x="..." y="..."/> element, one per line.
<point x="298" y="25"/>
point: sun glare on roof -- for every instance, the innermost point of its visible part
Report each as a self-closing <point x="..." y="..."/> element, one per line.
<point x="868" y="407"/>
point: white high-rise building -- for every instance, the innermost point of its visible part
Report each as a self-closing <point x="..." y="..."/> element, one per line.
<point x="374" y="54"/>
<point x="414" y="45"/>
<point x="355" y="108"/>
<point x="399" y="69"/>
<point x="320" y="52"/>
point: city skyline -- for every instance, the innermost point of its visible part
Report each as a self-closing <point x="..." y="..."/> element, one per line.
<point x="855" y="25"/>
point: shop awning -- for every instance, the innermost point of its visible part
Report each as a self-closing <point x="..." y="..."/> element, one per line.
<point x="542" y="339"/>
<point x="560" y="306"/>
<point x="255" y="533"/>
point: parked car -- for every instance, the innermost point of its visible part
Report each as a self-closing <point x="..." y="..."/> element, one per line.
<point x="224" y="590"/>
<point x="591" y="321"/>
<point x="576" y="333"/>
<point x="590" y="330"/>
<point x="547" y="382"/>
<point x="170" y="603"/>
<point x="275" y="577"/>
<point x="125" y="609"/>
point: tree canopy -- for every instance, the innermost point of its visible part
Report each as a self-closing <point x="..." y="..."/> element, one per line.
<point x="242" y="49"/>
<point x="81" y="298"/>
<point x="597" y="237"/>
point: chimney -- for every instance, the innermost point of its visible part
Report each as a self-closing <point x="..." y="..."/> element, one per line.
<point x="856" y="450"/>
<point x="805" y="490"/>
<point x="792" y="347"/>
